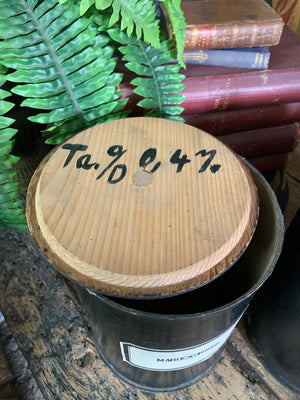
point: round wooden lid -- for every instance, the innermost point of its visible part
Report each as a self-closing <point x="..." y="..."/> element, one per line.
<point x="142" y="207"/>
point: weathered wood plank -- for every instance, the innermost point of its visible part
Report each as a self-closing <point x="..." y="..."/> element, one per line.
<point x="47" y="322"/>
<point x="6" y="378"/>
<point x="250" y="365"/>
<point x="19" y="382"/>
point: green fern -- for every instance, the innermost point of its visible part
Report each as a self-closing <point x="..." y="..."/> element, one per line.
<point x="138" y="15"/>
<point x="178" y="25"/>
<point x="63" y="65"/>
<point x="11" y="213"/>
<point x="65" y="62"/>
<point x="159" y="81"/>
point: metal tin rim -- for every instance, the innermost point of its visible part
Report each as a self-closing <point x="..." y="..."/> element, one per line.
<point x="279" y="222"/>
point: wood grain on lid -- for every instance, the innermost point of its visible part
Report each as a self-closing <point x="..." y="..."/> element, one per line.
<point x="142" y="207"/>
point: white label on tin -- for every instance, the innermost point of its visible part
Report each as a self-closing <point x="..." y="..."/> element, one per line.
<point x="170" y="360"/>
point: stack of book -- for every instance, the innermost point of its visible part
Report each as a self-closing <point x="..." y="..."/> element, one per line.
<point x="254" y="111"/>
<point x="229" y="33"/>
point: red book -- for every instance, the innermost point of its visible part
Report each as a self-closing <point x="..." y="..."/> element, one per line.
<point x="230" y="121"/>
<point x="270" y="162"/>
<point x="211" y="88"/>
<point x="219" y="24"/>
<point x="262" y="142"/>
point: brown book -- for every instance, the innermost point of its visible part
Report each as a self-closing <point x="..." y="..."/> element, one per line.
<point x="220" y="24"/>
<point x="211" y="88"/>
<point x="270" y="162"/>
<point x="263" y="142"/>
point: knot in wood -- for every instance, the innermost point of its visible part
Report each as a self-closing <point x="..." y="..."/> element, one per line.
<point x="85" y="358"/>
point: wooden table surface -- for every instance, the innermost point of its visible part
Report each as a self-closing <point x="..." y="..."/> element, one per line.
<point x="45" y="318"/>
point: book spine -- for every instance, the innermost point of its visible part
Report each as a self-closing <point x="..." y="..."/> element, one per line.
<point x="231" y="121"/>
<point x="271" y="162"/>
<point x="228" y="58"/>
<point x="228" y="92"/>
<point x="222" y="36"/>
<point x="219" y="93"/>
<point x="262" y="142"/>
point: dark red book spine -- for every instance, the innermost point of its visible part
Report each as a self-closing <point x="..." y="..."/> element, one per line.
<point x="231" y="121"/>
<point x="219" y="93"/>
<point x="239" y="91"/>
<point x="270" y="162"/>
<point x="213" y="88"/>
<point x="262" y="142"/>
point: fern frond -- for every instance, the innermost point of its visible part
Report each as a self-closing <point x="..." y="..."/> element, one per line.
<point x="65" y="63"/>
<point x="11" y="213"/>
<point x="178" y="24"/>
<point x="159" y="82"/>
<point x="132" y="15"/>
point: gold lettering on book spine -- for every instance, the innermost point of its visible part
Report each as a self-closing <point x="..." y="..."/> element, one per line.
<point x="235" y="35"/>
<point x="194" y="38"/>
<point x="254" y="34"/>
<point x="214" y="37"/>
<point x="199" y="56"/>
<point x="227" y="94"/>
<point x="261" y="60"/>
<point x="257" y="60"/>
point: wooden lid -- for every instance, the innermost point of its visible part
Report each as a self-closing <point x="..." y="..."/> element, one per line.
<point x="142" y="207"/>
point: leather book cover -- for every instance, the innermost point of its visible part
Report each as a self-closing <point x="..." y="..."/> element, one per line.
<point x="215" y="89"/>
<point x="218" y="24"/>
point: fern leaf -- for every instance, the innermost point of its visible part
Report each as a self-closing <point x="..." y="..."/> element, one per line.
<point x="132" y="15"/>
<point x="66" y="64"/>
<point x="159" y="84"/>
<point x="178" y="24"/>
<point x="11" y="212"/>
